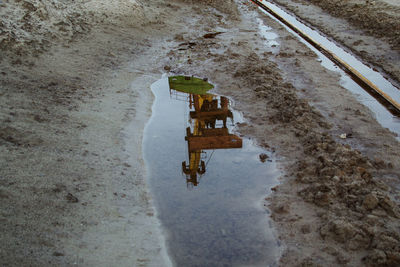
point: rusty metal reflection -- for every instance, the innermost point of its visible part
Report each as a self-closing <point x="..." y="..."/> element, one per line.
<point x="208" y="125"/>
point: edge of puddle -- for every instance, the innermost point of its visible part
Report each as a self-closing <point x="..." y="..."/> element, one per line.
<point x="134" y="135"/>
<point x="163" y="233"/>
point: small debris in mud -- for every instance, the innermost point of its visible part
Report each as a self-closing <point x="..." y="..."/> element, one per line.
<point x="211" y="35"/>
<point x="58" y="254"/>
<point x="275" y="188"/>
<point x="39" y="119"/>
<point x="305" y="229"/>
<point x="280" y="208"/>
<point x="263" y="157"/>
<point x="190" y="44"/>
<point x="71" y="198"/>
<point x="59" y="188"/>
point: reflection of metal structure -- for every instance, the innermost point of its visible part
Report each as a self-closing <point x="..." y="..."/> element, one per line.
<point x="206" y="134"/>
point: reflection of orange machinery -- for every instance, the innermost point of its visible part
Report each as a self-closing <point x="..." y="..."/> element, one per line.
<point x="205" y="134"/>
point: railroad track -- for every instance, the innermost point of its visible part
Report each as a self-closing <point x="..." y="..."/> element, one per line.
<point x="392" y="105"/>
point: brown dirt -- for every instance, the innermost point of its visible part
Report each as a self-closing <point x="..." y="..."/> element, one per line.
<point x="72" y="114"/>
<point x="378" y="18"/>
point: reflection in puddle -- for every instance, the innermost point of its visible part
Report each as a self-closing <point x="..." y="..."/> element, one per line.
<point x="218" y="220"/>
<point x="205" y="133"/>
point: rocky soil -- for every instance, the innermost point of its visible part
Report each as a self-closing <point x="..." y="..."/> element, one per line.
<point x="75" y="96"/>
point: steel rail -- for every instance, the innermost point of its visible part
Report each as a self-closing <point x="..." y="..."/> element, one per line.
<point x="370" y="87"/>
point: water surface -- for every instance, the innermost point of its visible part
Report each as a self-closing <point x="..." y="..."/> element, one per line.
<point x="212" y="213"/>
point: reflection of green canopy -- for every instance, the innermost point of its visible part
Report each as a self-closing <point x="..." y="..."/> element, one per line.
<point x="191" y="85"/>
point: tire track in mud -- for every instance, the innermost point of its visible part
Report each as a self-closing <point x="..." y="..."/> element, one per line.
<point x="391" y="104"/>
<point x="367" y="28"/>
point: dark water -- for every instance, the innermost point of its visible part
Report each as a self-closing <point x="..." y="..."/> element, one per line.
<point x="213" y="216"/>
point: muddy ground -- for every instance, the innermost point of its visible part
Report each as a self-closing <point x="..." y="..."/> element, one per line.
<point x="369" y="29"/>
<point x="75" y="96"/>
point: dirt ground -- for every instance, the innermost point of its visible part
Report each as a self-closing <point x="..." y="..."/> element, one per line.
<point x="75" y="96"/>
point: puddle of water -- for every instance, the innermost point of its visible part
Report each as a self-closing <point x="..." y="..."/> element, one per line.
<point x="208" y="196"/>
<point x="383" y="116"/>
<point x="268" y="34"/>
